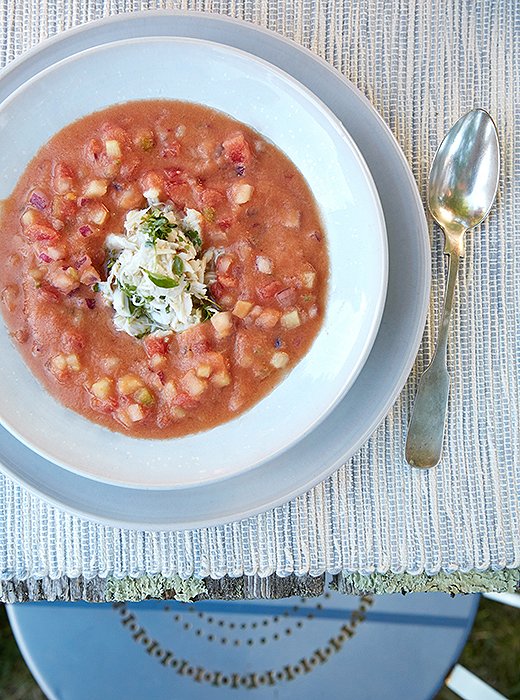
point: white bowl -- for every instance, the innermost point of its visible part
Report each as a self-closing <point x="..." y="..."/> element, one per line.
<point x="286" y="113"/>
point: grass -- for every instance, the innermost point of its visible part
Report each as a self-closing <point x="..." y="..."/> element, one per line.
<point x="492" y="653"/>
<point x="493" y="650"/>
<point x="16" y="682"/>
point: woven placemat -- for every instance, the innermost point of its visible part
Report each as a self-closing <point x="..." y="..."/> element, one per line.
<point x="375" y="525"/>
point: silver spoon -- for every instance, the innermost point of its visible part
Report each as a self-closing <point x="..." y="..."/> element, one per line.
<point x="462" y="187"/>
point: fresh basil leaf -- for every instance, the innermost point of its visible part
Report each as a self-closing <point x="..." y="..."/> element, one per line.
<point x="178" y="265"/>
<point x="162" y="281"/>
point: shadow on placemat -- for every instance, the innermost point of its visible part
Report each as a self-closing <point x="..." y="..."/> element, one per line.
<point x="492" y="652"/>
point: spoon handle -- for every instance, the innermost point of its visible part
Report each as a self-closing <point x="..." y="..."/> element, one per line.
<point x="426" y="429"/>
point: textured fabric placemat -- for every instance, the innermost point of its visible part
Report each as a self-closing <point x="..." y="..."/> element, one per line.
<point x="376" y="525"/>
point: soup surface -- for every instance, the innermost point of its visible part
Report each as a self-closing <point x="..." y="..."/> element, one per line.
<point x="163" y="267"/>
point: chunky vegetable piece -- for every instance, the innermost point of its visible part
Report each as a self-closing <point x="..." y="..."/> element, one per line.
<point x="164" y="267"/>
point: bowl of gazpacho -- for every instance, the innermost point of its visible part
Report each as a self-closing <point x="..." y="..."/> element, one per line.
<point x="193" y="262"/>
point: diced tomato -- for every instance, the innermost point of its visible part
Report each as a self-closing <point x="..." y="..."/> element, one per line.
<point x="164" y="417"/>
<point x="175" y="176"/>
<point x="39" y="232"/>
<point x="217" y="290"/>
<point x="129" y="166"/>
<point x="111" y="131"/>
<point x="171" y="150"/>
<point x="101" y="163"/>
<point x="236" y="149"/>
<point x="227" y="281"/>
<point x="49" y="293"/>
<point x="224" y="262"/>
<point x="212" y="198"/>
<point x="268" y="291"/>
<point x="63" y="208"/>
<point x="224" y="224"/>
<point x="184" y="400"/>
<point x="194" y="339"/>
<point x="72" y="341"/>
<point x="200" y="346"/>
<point x="152" y="180"/>
<point x="62" y="178"/>
<point x="93" y="149"/>
<point x="155" y="346"/>
<point x="105" y="406"/>
<point x="181" y="195"/>
<point x="268" y="318"/>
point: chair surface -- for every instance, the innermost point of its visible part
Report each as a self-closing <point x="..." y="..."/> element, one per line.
<point x="339" y="646"/>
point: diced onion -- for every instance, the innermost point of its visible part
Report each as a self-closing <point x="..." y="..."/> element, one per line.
<point x="290" y="320"/>
<point x="240" y="193"/>
<point x="193" y="384"/>
<point x="308" y="279"/>
<point x="113" y="148"/>
<point x="222" y="323"/>
<point x="102" y="388"/>
<point x="98" y="214"/>
<point x="135" y="412"/>
<point x="242" y="308"/>
<point x="96" y="188"/>
<point x="268" y="318"/>
<point x="264" y="264"/>
<point x="280" y="360"/>
<point x="221" y="379"/>
<point x="128" y="383"/>
<point x="203" y="371"/>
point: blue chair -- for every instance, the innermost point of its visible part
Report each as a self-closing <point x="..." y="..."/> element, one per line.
<point x="336" y="646"/>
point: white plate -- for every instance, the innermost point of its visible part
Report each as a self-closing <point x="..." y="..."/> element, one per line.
<point x="289" y="115"/>
<point x="388" y="365"/>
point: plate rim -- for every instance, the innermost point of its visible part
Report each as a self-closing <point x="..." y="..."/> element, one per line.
<point x="372" y="325"/>
<point x="422" y="302"/>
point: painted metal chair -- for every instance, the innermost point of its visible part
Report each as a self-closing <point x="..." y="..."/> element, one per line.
<point x="335" y="646"/>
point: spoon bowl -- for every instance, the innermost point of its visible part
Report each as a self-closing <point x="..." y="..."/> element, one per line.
<point x="464" y="175"/>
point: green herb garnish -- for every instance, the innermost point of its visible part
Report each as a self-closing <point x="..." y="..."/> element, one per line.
<point x="162" y="280"/>
<point x="127" y="289"/>
<point x="194" y="237"/>
<point x="207" y="307"/>
<point x="178" y="265"/>
<point x="156" y="226"/>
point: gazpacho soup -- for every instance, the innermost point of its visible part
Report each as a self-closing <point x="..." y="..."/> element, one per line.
<point x="163" y="267"/>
